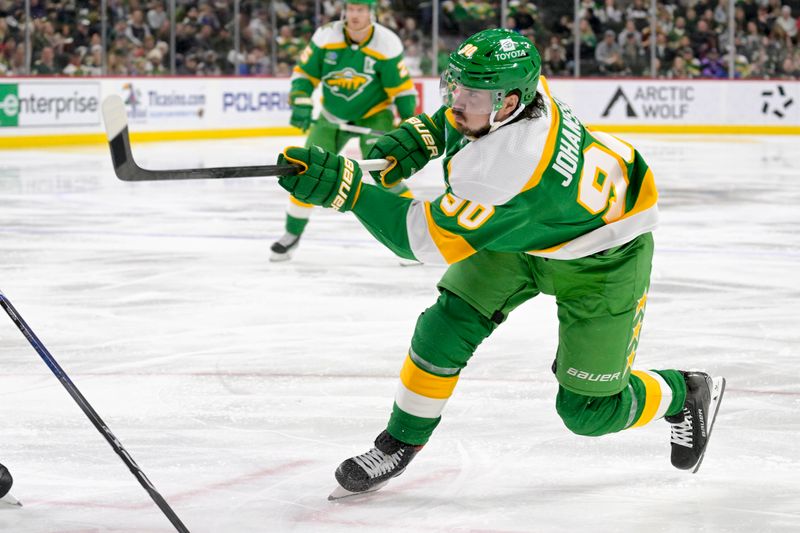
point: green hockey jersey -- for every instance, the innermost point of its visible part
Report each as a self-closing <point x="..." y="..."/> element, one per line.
<point x="358" y="80"/>
<point x="548" y="187"/>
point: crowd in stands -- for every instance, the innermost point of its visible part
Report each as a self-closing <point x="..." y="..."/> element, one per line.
<point x="692" y="37"/>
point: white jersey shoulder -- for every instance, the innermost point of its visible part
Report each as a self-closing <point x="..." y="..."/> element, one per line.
<point x="331" y="33"/>
<point x="495" y="168"/>
<point x="385" y="42"/>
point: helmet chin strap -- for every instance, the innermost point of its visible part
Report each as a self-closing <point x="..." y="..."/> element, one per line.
<point x="494" y="125"/>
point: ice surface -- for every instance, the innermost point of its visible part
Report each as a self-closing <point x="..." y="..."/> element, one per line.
<point x="238" y="385"/>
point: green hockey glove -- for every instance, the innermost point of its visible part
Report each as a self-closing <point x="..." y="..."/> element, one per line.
<point x="301" y="112"/>
<point x="328" y="180"/>
<point x="408" y="149"/>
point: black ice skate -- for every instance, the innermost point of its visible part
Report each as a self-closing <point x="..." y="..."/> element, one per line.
<point x="6" y="481"/>
<point x="371" y="471"/>
<point x="283" y="248"/>
<point x="691" y="428"/>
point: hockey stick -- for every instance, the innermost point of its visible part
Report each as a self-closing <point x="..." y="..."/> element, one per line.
<point x="115" y="118"/>
<point x="352" y="128"/>
<point x="91" y="413"/>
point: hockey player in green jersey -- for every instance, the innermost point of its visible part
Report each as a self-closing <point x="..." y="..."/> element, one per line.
<point x="359" y="65"/>
<point x="535" y="203"/>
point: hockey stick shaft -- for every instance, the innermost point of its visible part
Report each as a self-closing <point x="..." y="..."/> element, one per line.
<point x="352" y="128"/>
<point x="89" y="411"/>
<point x="116" y="121"/>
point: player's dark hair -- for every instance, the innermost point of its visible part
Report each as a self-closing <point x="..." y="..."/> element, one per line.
<point x="536" y="109"/>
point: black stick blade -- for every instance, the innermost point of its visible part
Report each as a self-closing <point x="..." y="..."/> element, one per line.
<point x="115" y="118"/>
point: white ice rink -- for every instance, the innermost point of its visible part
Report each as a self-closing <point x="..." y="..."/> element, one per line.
<point x="238" y="385"/>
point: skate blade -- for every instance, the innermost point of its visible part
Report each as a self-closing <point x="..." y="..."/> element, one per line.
<point x="717" y="390"/>
<point x="403" y="262"/>
<point x="340" y="492"/>
<point x="8" y="501"/>
<point x="279" y="258"/>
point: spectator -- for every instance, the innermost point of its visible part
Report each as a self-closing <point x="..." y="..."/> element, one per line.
<point x="664" y="53"/>
<point x="524" y="13"/>
<point x="750" y="8"/>
<point x="630" y="29"/>
<point x="721" y="13"/>
<point x="692" y="64"/>
<point x="664" y="19"/>
<point x="191" y="17"/>
<point x="691" y="20"/>
<point x="202" y="39"/>
<point x="258" y="27"/>
<point x="410" y="31"/>
<point x="787" y="23"/>
<point x="189" y="66"/>
<point x="74" y="66"/>
<point x="412" y="58"/>
<point x="258" y="64"/>
<point x="751" y="42"/>
<point x="136" y="29"/>
<point x="554" y="58"/>
<point x="206" y="16"/>
<point x="283" y="70"/>
<point x="594" y="22"/>
<point x="679" y="70"/>
<point x="763" y="21"/>
<point x="18" y="61"/>
<point x="93" y="62"/>
<point x="117" y="66"/>
<point x="775" y="8"/>
<point x="208" y="64"/>
<point x="156" y="15"/>
<point x="678" y="30"/>
<point x="608" y="54"/>
<point x="46" y="64"/>
<point x="610" y="15"/>
<point x="155" y="63"/>
<point x="563" y="28"/>
<point x="788" y="69"/>
<point x="638" y="14"/>
<point x="711" y="66"/>
<point x="588" y="40"/>
<point x="82" y="36"/>
<point x="702" y="38"/>
<point x="289" y="45"/>
<point x="633" y="56"/>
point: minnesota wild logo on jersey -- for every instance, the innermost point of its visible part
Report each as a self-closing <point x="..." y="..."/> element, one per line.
<point x="346" y="83"/>
<point x="358" y="79"/>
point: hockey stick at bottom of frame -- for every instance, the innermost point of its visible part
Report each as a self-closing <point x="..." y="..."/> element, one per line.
<point x="89" y="411"/>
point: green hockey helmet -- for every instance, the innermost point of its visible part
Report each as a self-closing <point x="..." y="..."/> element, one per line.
<point x="370" y="3"/>
<point x="487" y="67"/>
